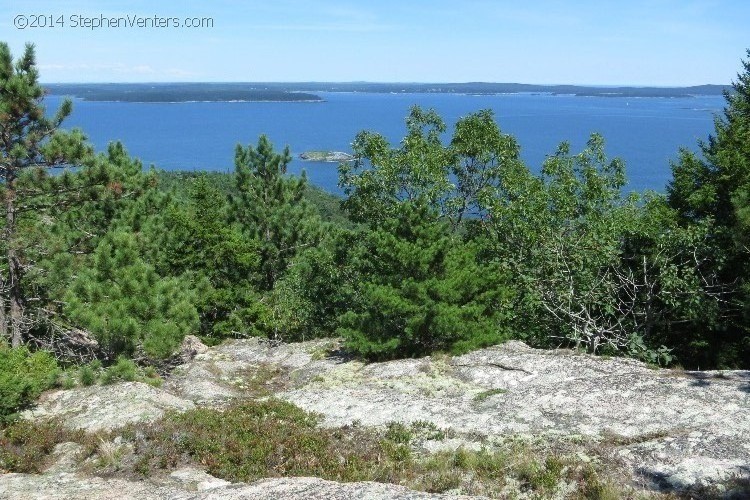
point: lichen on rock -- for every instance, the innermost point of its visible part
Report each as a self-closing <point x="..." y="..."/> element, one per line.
<point x="666" y="429"/>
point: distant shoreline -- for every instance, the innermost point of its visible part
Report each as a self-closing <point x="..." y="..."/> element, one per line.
<point x="306" y="91"/>
<point x="177" y="93"/>
<point x="203" y="101"/>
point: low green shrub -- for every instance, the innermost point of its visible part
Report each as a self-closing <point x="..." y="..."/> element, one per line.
<point x="398" y="433"/>
<point x="86" y="375"/>
<point x="67" y="381"/>
<point x="255" y="440"/>
<point x="123" y="370"/>
<point x="486" y="394"/>
<point x="23" y="377"/>
<point x="273" y="438"/>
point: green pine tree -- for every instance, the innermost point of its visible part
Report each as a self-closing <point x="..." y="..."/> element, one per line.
<point x="271" y="209"/>
<point x="203" y="242"/>
<point x="61" y="243"/>
<point x="713" y="191"/>
<point x="422" y="290"/>
<point x="126" y="304"/>
<point x="31" y="145"/>
<point x="48" y="217"/>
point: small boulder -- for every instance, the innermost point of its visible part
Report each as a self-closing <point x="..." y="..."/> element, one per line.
<point x="107" y="407"/>
<point x="190" y="348"/>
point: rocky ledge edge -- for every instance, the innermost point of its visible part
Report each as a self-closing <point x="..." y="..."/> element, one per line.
<point x="666" y="430"/>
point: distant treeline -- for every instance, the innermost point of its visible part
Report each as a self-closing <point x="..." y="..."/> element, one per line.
<point x="180" y="92"/>
<point x="149" y="92"/>
<point x="505" y="88"/>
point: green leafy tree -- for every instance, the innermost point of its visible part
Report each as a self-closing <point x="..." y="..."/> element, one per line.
<point x="482" y="158"/>
<point x="560" y="234"/>
<point x="381" y="178"/>
<point x="580" y="246"/>
<point x="457" y="180"/>
<point x="594" y="267"/>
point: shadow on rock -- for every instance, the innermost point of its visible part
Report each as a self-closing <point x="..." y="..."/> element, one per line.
<point x="709" y="378"/>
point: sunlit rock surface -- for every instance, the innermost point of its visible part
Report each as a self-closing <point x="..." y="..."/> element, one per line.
<point x="668" y="429"/>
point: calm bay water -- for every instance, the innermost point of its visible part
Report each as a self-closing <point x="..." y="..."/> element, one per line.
<point x="645" y="132"/>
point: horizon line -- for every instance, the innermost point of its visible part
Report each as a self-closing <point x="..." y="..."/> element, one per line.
<point x="367" y="82"/>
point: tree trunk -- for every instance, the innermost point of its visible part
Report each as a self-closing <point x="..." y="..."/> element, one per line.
<point x="3" y="319"/>
<point x="14" y="267"/>
<point x="16" y="309"/>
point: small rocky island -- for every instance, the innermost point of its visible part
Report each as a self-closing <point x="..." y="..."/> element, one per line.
<point x="325" y="156"/>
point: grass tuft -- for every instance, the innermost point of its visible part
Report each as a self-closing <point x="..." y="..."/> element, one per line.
<point x="486" y="394"/>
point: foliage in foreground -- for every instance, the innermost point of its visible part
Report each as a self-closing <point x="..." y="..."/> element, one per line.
<point x="25" y="446"/>
<point x="273" y="438"/>
<point x="23" y="377"/>
<point x="418" y="279"/>
<point x="440" y="245"/>
<point x="276" y="439"/>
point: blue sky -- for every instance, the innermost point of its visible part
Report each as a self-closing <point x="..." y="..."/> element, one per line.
<point x="658" y="42"/>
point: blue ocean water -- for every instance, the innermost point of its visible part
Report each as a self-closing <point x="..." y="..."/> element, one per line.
<point x="645" y="132"/>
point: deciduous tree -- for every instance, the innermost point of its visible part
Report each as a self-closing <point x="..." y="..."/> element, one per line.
<point x="458" y="180"/>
